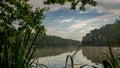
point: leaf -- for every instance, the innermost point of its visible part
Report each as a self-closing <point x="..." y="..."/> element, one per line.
<point x="71" y="59"/>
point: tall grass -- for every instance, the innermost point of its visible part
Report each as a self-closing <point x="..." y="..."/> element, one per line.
<point x="18" y="51"/>
<point x="71" y="58"/>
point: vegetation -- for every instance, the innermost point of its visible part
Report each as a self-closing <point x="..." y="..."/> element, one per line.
<point x="74" y="3"/>
<point x="106" y="35"/>
<point x="112" y="61"/>
<point x="71" y="58"/>
<point x="17" y="21"/>
<point x="49" y="41"/>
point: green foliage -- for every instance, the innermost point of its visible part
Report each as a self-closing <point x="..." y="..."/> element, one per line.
<point x="71" y="60"/>
<point x="71" y="57"/>
<point x="54" y="41"/>
<point x="74" y="3"/>
<point x="112" y="62"/>
<point x="17" y="21"/>
<point x="108" y="34"/>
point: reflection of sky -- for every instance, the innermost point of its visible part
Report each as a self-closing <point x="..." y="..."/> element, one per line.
<point x="59" y="60"/>
<point x="65" y="23"/>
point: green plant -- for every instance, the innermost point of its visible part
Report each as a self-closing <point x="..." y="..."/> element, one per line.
<point x="17" y="22"/>
<point x="72" y="61"/>
<point x="113" y="61"/>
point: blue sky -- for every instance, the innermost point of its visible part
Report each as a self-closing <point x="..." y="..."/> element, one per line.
<point x="63" y="22"/>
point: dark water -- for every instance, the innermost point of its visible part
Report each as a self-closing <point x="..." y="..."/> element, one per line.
<point x="55" y="58"/>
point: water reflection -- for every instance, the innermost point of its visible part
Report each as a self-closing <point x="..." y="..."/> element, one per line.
<point x="59" y="60"/>
<point x="97" y="54"/>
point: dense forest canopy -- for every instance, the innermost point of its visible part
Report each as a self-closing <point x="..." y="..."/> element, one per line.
<point x="106" y="35"/>
<point x="49" y="41"/>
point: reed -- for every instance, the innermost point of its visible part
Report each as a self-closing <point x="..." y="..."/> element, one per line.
<point x="112" y="61"/>
<point x="72" y="61"/>
<point x="17" y="51"/>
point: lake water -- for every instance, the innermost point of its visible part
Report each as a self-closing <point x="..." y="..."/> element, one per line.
<point x="85" y="56"/>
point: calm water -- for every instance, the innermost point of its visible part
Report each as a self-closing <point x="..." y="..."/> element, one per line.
<point x="58" y="61"/>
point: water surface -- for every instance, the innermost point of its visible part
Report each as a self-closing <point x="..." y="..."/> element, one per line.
<point x="58" y="61"/>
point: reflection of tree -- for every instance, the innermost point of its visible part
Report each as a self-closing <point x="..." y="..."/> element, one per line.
<point x="96" y="54"/>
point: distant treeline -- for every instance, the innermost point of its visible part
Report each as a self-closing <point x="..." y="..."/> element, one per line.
<point x="106" y="35"/>
<point x="54" y="41"/>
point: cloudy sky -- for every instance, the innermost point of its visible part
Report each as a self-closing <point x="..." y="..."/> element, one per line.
<point x="63" y="22"/>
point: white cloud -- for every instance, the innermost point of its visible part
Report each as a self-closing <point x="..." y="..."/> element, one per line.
<point x="82" y="12"/>
<point x="79" y="28"/>
<point x="106" y="20"/>
<point x="107" y="6"/>
<point x="66" y="20"/>
<point x="76" y="21"/>
<point x="55" y="31"/>
<point x="76" y="26"/>
<point x="85" y="23"/>
<point x="58" y="32"/>
<point x="50" y="31"/>
<point x="56" y="20"/>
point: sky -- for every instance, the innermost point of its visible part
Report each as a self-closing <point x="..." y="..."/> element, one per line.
<point x="63" y="22"/>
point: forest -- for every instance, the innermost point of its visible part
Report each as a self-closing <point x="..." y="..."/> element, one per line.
<point x="49" y="41"/>
<point x="106" y="35"/>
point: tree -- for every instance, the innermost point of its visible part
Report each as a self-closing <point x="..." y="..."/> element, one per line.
<point x="55" y="41"/>
<point x="74" y="3"/>
<point x="106" y="35"/>
<point x="18" y="19"/>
